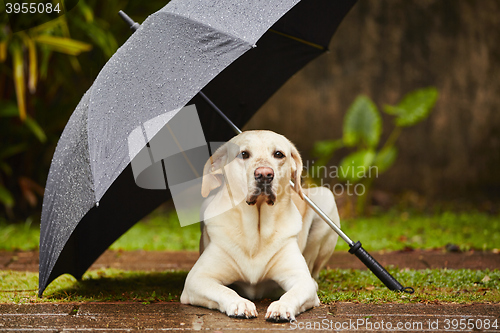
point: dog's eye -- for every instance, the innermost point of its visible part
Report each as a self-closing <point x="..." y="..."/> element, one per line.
<point x="244" y="155"/>
<point x="279" y="155"/>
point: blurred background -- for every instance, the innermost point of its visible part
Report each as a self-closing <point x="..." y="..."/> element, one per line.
<point x="383" y="50"/>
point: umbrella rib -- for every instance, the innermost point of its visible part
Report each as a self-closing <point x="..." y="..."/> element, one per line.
<point x="303" y="41"/>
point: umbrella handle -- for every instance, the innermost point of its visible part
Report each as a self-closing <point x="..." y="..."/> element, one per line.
<point x="377" y="269"/>
<point x="355" y="248"/>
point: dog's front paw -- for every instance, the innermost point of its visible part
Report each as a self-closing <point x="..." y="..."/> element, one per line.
<point x="241" y="309"/>
<point x="280" y="311"/>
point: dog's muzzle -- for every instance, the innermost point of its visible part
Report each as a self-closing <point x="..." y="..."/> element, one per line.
<point x="263" y="182"/>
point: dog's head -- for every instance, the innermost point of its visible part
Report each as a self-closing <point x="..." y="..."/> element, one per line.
<point x="256" y="164"/>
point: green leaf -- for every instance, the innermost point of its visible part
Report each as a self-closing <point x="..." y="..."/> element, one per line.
<point x="324" y="150"/>
<point x="355" y="166"/>
<point x="362" y="123"/>
<point x="385" y="159"/>
<point x="12" y="150"/>
<point x="36" y="129"/>
<point x="6" y="168"/>
<point x="414" y="107"/>
<point x="18" y="64"/>
<point x="100" y="36"/>
<point x="33" y="66"/>
<point x="3" y="50"/>
<point x="6" y="197"/>
<point x="47" y="27"/>
<point x="87" y="12"/>
<point x="63" y="45"/>
<point x="8" y="109"/>
<point x="392" y="110"/>
<point x="44" y="63"/>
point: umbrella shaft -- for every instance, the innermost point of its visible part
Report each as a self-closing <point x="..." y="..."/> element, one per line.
<point x="233" y="126"/>
<point x="327" y="219"/>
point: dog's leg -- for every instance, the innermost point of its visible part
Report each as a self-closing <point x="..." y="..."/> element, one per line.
<point x="211" y="294"/>
<point x="206" y="286"/>
<point x="292" y="274"/>
<point x="320" y="246"/>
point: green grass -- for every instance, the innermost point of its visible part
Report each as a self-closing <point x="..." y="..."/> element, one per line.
<point x="399" y="230"/>
<point x="431" y="285"/>
<point x="389" y="231"/>
<point x="110" y="285"/>
<point x="21" y="236"/>
<point x="160" y="232"/>
<point x="100" y="286"/>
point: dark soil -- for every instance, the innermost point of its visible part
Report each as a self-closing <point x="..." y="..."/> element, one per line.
<point x="184" y="260"/>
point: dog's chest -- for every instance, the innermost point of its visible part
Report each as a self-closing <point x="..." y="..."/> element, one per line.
<point x="253" y="258"/>
<point x="253" y="238"/>
<point x="254" y="269"/>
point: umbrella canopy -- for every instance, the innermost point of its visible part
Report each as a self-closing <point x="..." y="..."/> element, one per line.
<point x="239" y="53"/>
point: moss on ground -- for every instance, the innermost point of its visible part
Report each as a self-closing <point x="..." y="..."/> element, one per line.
<point x="111" y="285"/>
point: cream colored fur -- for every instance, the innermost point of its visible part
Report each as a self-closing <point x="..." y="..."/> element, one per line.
<point x="263" y="248"/>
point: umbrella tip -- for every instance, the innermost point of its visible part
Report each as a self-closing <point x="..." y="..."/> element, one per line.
<point x="97" y="204"/>
<point x="133" y="25"/>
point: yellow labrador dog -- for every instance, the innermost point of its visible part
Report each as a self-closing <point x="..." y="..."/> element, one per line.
<point x="258" y="235"/>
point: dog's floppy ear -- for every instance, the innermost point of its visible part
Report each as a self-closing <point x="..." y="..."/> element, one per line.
<point x="296" y="170"/>
<point x="212" y="172"/>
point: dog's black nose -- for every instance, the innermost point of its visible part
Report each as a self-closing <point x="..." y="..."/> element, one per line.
<point x="264" y="175"/>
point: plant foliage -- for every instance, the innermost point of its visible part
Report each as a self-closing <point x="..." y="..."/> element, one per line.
<point x="362" y="129"/>
<point x="44" y="72"/>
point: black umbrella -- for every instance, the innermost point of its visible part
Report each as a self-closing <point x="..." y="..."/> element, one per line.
<point x="91" y="196"/>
